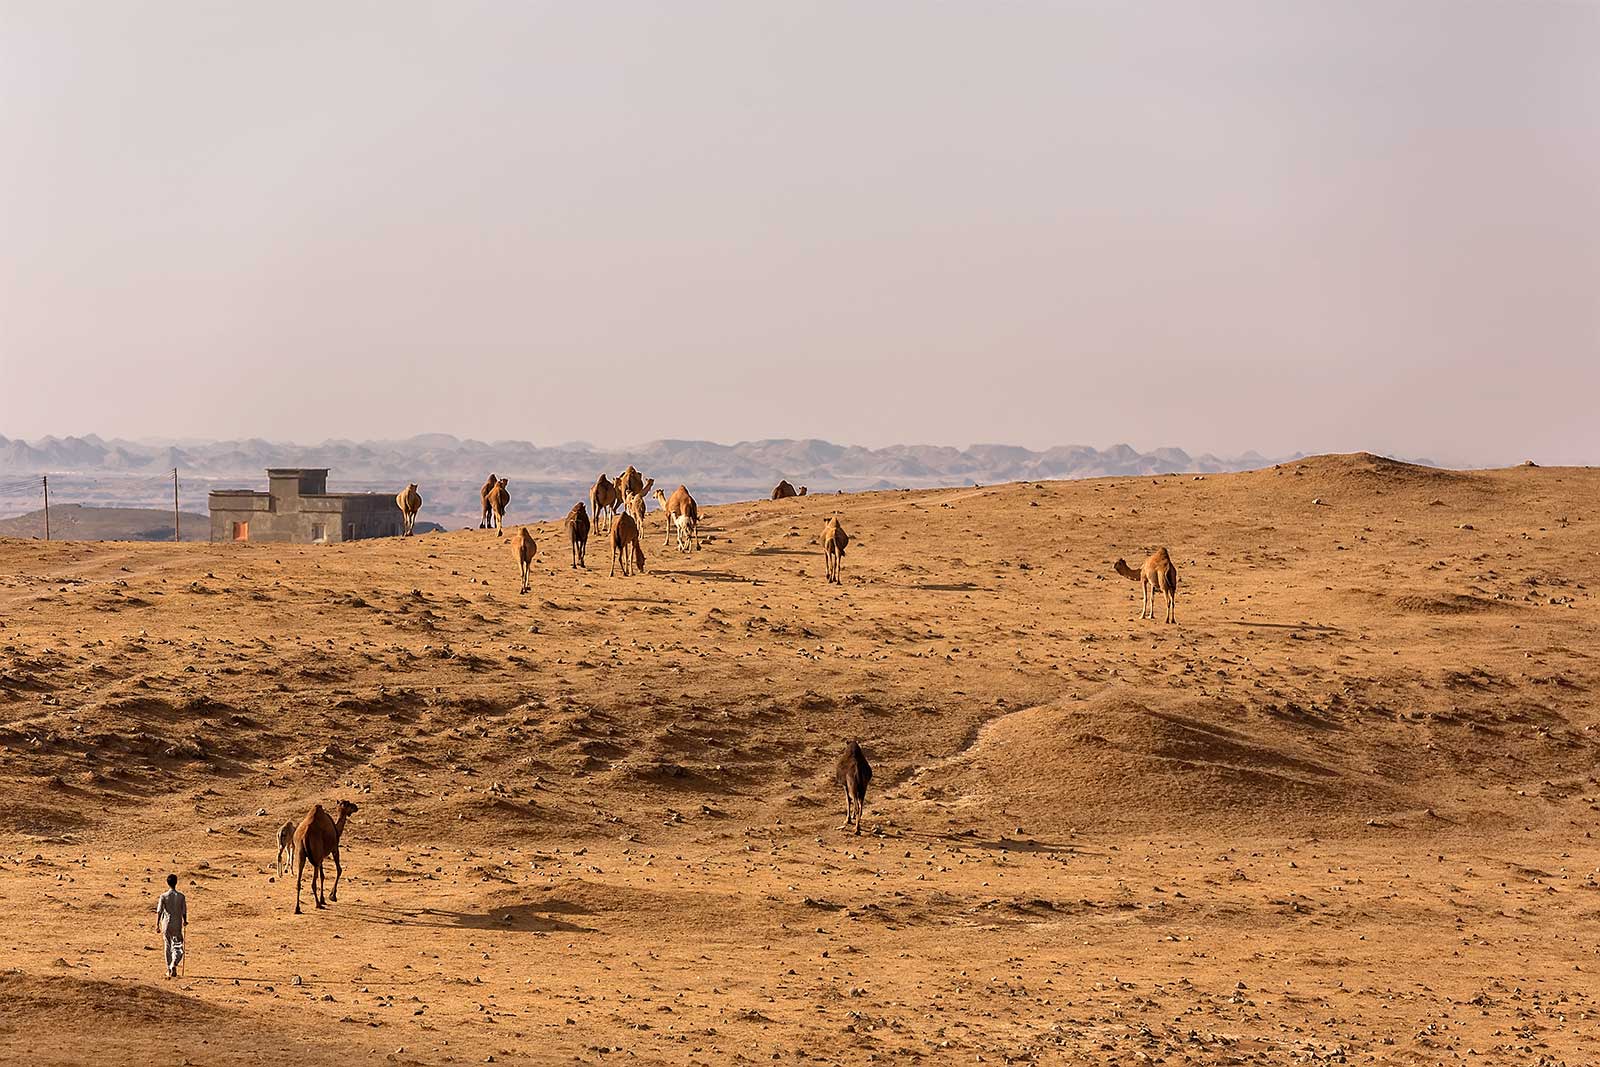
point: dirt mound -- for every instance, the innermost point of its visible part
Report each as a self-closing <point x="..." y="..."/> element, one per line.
<point x="26" y="998"/>
<point x="1451" y="604"/>
<point x="135" y="1022"/>
<point x="1117" y="762"/>
<point x="1375" y="468"/>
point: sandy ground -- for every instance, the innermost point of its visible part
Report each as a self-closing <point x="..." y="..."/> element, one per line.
<point x="1342" y="812"/>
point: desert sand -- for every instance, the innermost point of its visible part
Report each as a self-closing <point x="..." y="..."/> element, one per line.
<point x="1342" y="812"/>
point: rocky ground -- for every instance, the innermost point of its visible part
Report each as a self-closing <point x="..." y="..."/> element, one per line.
<point x="1341" y="812"/>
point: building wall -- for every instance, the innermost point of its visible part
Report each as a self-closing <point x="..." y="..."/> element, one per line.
<point x="305" y="519"/>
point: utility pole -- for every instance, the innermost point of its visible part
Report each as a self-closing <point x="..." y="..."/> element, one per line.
<point x="175" y="536"/>
<point x="46" y="507"/>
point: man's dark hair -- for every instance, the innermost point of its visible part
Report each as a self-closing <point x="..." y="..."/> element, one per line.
<point x="172" y="880"/>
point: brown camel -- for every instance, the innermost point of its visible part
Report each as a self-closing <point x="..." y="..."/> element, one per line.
<point x="683" y="515"/>
<point x="834" y="542"/>
<point x="578" y="533"/>
<point x="800" y="491"/>
<point x="498" y="499"/>
<point x="315" y="840"/>
<point x="1159" y="576"/>
<point x="783" y="491"/>
<point x="410" y="502"/>
<point x="604" y="500"/>
<point x="483" y="498"/>
<point x="853" y="772"/>
<point x="635" y="504"/>
<point x="625" y="545"/>
<point x="285" y="845"/>
<point x="525" y="550"/>
<point x="631" y="481"/>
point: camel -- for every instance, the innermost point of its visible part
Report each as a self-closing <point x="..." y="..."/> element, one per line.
<point x="631" y="481"/>
<point x="834" y="542"/>
<point x="410" y="502"/>
<point x="635" y="504"/>
<point x="1159" y="576"/>
<point x="285" y="845"/>
<point x="683" y="515"/>
<point x="853" y="772"/>
<point x="525" y="550"/>
<point x="315" y="840"/>
<point x="578" y="533"/>
<point x="604" y="500"/>
<point x="783" y="490"/>
<point x="625" y="537"/>
<point x="498" y="499"/>
<point x="800" y="491"/>
<point x="483" y="498"/>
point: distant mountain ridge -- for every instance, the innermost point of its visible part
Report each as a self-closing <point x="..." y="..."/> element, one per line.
<point x="546" y="479"/>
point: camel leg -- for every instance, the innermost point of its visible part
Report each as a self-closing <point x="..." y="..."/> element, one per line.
<point x="338" y="872"/>
<point x="849" y="808"/>
<point x="859" y="806"/>
<point x="1172" y="606"/>
<point x="299" y="876"/>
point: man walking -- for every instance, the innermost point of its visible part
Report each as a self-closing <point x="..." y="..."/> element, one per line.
<point x="172" y="915"/>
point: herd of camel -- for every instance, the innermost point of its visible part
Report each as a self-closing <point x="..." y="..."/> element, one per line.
<point x="618" y="504"/>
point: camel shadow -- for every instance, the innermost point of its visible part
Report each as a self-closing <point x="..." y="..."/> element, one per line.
<point x="711" y="576"/>
<point x="1285" y="626"/>
<point x="999" y="844"/>
<point x="514" y="918"/>
<point x="952" y="587"/>
<point x="776" y="551"/>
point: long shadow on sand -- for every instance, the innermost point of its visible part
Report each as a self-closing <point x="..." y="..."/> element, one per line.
<point x="999" y="844"/>
<point x="1284" y="626"/>
<point x="516" y="918"/>
<point x="711" y="576"/>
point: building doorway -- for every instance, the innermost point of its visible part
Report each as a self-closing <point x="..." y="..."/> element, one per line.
<point x="241" y="531"/>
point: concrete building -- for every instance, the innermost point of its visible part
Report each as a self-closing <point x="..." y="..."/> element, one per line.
<point x="297" y="507"/>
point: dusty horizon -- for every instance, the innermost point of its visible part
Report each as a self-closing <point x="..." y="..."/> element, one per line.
<point x="1315" y="227"/>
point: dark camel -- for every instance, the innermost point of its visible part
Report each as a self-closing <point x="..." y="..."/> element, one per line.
<point x="316" y="839"/>
<point x="783" y="490"/>
<point x="578" y="533"/>
<point x="853" y="772"/>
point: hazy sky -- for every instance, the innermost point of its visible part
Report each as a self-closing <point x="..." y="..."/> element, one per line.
<point x="1219" y="225"/>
